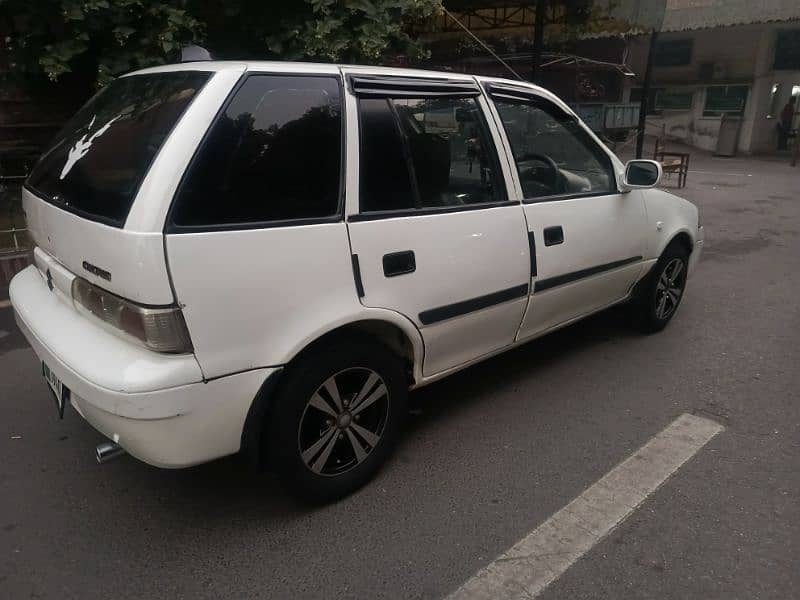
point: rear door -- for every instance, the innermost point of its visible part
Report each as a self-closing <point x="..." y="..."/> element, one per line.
<point x="588" y="237"/>
<point x="433" y="233"/>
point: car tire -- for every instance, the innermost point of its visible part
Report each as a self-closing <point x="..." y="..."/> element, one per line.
<point x="659" y="295"/>
<point x="336" y="418"/>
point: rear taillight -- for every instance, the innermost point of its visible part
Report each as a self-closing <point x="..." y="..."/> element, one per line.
<point x="161" y="329"/>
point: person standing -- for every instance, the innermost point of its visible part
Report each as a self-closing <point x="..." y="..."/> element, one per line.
<point x="785" y="123"/>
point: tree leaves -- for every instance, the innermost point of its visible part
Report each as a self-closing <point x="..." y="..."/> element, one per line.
<point x="54" y="37"/>
<point x="354" y="30"/>
<point x="105" y="38"/>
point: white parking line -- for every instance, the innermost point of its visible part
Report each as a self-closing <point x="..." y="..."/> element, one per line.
<point x="541" y="557"/>
<point x="721" y="173"/>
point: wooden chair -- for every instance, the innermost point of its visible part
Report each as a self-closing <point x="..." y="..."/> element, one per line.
<point x="672" y="162"/>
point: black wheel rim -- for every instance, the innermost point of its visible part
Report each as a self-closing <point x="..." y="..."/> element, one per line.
<point x="343" y="421"/>
<point x="669" y="288"/>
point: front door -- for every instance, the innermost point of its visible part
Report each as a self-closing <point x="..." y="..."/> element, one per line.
<point x="434" y="235"/>
<point x="588" y="237"/>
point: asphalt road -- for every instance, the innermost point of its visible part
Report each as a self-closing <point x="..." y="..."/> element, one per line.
<point x="489" y="454"/>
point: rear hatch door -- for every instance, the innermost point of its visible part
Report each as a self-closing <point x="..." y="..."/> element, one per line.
<point x="78" y="197"/>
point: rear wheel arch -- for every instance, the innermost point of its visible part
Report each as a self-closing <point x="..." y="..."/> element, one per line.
<point x="378" y="331"/>
<point x="389" y="334"/>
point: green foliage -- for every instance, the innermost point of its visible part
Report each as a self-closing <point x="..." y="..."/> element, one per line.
<point x="579" y="17"/>
<point x="360" y="31"/>
<point x="100" y="38"/>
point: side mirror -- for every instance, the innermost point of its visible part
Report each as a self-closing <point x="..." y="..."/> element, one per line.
<point x="641" y="174"/>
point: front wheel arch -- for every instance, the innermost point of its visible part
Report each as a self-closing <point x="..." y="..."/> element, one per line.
<point x="643" y="292"/>
<point x="683" y="239"/>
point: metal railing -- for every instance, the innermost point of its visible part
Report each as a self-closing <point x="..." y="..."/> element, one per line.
<point x="14" y="239"/>
<point x="15" y="234"/>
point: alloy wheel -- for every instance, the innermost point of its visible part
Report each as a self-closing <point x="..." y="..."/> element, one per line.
<point x="669" y="288"/>
<point x="343" y="421"/>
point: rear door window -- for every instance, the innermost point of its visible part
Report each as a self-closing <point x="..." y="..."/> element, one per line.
<point x="273" y="155"/>
<point x="426" y="153"/>
<point x="100" y="157"/>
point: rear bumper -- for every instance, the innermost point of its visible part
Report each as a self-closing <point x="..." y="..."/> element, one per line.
<point x="155" y="406"/>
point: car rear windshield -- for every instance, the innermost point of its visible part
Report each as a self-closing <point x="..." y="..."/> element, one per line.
<point x="98" y="160"/>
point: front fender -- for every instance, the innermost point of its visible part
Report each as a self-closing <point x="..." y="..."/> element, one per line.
<point x="668" y="215"/>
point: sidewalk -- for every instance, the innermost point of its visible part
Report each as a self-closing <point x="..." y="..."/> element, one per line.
<point x="703" y="161"/>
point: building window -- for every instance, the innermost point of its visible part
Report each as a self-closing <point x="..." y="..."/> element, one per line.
<point x="725" y="99"/>
<point x="787" y="50"/>
<point x="636" y="96"/>
<point x="674" y="99"/>
<point x="674" y="53"/>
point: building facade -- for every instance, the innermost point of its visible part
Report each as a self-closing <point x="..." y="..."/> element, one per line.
<point x="735" y="62"/>
<point x="742" y="73"/>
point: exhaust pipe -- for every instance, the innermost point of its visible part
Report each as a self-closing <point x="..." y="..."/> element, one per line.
<point x="108" y="451"/>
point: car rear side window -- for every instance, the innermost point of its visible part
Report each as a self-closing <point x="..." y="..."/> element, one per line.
<point x="274" y="154"/>
<point x="425" y="153"/>
<point x="98" y="160"/>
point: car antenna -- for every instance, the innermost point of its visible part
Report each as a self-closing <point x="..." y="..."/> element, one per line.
<point x="192" y="53"/>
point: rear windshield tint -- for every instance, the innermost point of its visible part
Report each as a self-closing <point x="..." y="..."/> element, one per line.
<point x="97" y="162"/>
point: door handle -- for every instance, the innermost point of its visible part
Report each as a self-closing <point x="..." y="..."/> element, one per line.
<point x="399" y="263"/>
<point x="553" y="235"/>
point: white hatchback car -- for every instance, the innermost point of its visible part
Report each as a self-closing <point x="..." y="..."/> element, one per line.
<point x="264" y="257"/>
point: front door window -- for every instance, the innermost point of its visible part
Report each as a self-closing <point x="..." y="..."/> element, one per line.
<point x="554" y="154"/>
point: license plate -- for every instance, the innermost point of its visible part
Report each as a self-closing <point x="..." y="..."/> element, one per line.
<point x="60" y="391"/>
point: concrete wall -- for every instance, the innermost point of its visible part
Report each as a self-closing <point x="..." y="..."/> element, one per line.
<point x="744" y="55"/>
<point x="762" y="135"/>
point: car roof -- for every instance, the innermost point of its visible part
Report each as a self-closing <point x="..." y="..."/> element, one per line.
<point x="310" y="68"/>
<point x="327" y="68"/>
<point x="295" y="67"/>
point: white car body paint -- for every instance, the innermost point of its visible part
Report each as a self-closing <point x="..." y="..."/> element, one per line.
<point x="253" y="299"/>
<point x="610" y="229"/>
<point x="675" y="214"/>
<point x="135" y="258"/>
<point x="275" y="310"/>
<point x="449" y="250"/>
